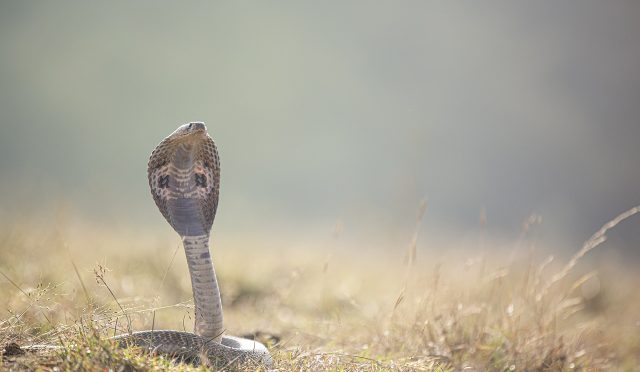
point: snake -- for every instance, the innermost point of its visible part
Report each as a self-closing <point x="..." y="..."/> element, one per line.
<point x="184" y="178"/>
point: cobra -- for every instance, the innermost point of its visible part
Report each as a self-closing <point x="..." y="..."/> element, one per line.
<point x="184" y="177"/>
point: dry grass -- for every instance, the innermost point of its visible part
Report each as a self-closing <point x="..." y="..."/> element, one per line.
<point x="316" y="311"/>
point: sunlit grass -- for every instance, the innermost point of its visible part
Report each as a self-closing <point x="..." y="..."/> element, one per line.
<point x="355" y="309"/>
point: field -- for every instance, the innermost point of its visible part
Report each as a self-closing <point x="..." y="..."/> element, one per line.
<point x="318" y="307"/>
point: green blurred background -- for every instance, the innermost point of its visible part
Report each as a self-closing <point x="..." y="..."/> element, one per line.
<point x="329" y="113"/>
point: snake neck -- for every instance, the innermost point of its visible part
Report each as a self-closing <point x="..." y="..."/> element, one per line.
<point x="206" y="294"/>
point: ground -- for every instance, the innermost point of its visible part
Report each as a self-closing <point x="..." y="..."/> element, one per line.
<point x="317" y="308"/>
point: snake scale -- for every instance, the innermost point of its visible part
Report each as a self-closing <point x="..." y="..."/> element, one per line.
<point x="184" y="177"/>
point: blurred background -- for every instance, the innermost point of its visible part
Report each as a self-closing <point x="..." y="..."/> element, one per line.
<point x="331" y="118"/>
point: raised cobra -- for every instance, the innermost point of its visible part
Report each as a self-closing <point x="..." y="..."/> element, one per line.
<point x="184" y="177"/>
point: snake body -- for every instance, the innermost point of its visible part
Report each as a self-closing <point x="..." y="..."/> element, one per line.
<point x="184" y="177"/>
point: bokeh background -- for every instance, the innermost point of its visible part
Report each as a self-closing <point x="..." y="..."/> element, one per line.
<point x="331" y="117"/>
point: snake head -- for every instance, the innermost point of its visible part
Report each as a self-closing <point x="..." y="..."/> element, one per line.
<point x="196" y="128"/>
